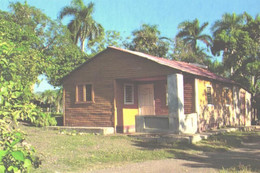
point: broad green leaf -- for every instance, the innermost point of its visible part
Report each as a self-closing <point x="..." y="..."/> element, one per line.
<point x="18" y="155"/>
<point x="2" y="154"/>
<point x="2" y="169"/>
<point x="27" y="163"/>
<point x="15" y="142"/>
<point x="14" y="169"/>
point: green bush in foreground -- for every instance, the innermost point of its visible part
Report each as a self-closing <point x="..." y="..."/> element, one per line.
<point x="15" y="154"/>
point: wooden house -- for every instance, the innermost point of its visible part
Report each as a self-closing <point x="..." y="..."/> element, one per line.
<point x="133" y="91"/>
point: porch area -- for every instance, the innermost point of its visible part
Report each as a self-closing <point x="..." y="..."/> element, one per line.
<point x="155" y="104"/>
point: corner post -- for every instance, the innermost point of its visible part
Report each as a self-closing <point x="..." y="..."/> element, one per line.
<point x="176" y="102"/>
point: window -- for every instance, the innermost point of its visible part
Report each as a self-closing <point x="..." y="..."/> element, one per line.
<point x="226" y="96"/>
<point x="209" y="96"/>
<point x="128" y="94"/>
<point x="88" y="92"/>
<point x="84" y="93"/>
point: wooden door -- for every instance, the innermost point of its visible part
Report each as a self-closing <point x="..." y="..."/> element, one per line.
<point x="146" y="99"/>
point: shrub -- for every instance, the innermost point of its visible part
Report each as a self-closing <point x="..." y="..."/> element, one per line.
<point x="44" y="119"/>
<point x="15" y="154"/>
<point x="36" y="116"/>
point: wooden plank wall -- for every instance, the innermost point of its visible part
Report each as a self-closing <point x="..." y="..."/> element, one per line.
<point x="189" y="94"/>
<point x="101" y="72"/>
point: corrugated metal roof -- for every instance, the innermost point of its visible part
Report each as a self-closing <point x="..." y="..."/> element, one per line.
<point x="178" y="65"/>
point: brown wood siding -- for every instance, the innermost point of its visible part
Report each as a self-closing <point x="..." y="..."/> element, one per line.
<point x="101" y="72"/>
<point x="189" y="95"/>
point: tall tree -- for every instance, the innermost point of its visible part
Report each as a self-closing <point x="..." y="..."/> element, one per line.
<point x="228" y="24"/>
<point x="148" y="40"/>
<point x="59" y="55"/>
<point x="26" y="40"/>
<point x="237" y="36"/>
<point x="224" y="34"/>
<point x="29" y="17"/>
<point x="183" y="52"/>
<point x="192" y="32"/>
<point x="111" y="38"/>
<point x="82" y="27"/>
<point x="62" y="55"/>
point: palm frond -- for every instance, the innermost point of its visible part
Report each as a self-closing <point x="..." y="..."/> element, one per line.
<point x="67" y="11"/>
<point x="203" y="26"/>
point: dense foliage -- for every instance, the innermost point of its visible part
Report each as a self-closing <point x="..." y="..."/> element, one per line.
<point x="148" y="40"/>
<point x="238" y="38"/>
<point x="82" y="27"/>
<point x="15" y="104"/>
<point x="15" y="154"/>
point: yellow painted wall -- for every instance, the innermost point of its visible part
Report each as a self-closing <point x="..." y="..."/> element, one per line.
<point x="129" y="116"/>
<point x="204" y="109"/>
<point x="202" y="91"/>
<point x="248" y="109"/>
<point x="219" y="113"/>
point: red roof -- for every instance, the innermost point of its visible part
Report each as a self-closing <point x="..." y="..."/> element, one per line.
<point x="181" y="66"/>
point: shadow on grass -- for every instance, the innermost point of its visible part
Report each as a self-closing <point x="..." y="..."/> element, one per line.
<point x="230" y="150"/>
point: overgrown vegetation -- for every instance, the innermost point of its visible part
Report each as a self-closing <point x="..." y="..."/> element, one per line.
<point x="15" y="154"/>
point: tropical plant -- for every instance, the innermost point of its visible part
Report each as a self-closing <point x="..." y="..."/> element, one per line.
<point x="62" y="55"/>
<point x="50" y="99"/>
<point x="111" y="38"/>
<point x="14" y="105"/>
<point x="237" y="36"/>
<point x="55" y="53"/>
<point x="29" y="17"/>
<point x="82" y="27"/>
<point x="228" y="24"/>
<point x="15" y="154"/>
<point x="192" y="32"/>
<point x="182" y="52"/>
<point x="23" y="47"/>
<point x="148" y="40"/>
<point x="223" y="30"/>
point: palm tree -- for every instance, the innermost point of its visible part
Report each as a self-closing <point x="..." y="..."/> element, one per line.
<point x="147" y="40"/>
<point x="228" y="24"/>
<point x="191" y="33"/>
<point x="48" y="97"/>
<point x="223" y="30"/>
<point x="82" y="27"/>
<point x="58" y="100"/>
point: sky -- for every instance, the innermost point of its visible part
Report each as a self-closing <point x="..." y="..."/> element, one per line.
<point x="125" y="16"/>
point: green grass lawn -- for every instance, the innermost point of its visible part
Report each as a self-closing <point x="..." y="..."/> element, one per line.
<point x="64" y="152"/>
<point x="73" y="152"/>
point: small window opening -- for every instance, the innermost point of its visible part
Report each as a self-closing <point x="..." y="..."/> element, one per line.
<point x="129" y="94"/>
<point x="209" y="96"/>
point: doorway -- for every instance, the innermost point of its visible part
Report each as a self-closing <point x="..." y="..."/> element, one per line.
<point x="146" y="99"/>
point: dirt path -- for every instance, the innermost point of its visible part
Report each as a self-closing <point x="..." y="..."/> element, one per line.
<point x="247" y="154"/>
<point x="165" y="166"/>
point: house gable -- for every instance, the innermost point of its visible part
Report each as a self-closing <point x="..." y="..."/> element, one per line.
<point x="112" y="63"/>
<point x="102" y="71"/>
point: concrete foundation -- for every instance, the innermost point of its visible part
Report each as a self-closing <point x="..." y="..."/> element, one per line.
<point x="95" y="130"/>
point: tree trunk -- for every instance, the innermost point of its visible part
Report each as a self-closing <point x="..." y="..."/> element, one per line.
<point x="231" y="71"/>
<point x="82" y="45"/>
